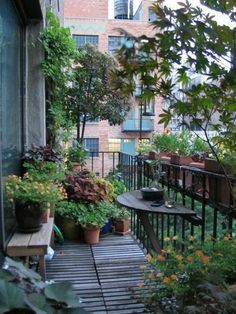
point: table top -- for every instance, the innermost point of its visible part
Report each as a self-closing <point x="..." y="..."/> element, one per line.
<point x="135" y="201"/>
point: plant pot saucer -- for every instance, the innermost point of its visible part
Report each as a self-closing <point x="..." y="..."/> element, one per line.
<point x="29" y="230"/>
<point x="158" y="203"/>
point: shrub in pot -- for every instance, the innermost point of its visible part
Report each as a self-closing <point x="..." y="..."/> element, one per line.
<point x="92" y="221"/>
<point x="42" y="153"/>
<point x="67" y="216"/>
<point x="121" y="220"/>
<point x="29" y="198"/>
<point x="165" y="144"/>
<point x="76" y="156"/>
<point x="86" y="188"/>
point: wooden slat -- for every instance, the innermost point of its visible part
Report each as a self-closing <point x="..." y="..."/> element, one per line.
<point x="103" y="275"/>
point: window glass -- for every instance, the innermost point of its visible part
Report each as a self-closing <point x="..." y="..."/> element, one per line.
<point x="81" y="40"/>
<point x="114" y="144"/>
<point x="115" y="42"/>
<point x="11" y="42"/>
<point x="92" y="145"/>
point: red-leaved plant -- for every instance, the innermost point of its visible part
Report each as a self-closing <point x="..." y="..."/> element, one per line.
<point x="84" y="187"/>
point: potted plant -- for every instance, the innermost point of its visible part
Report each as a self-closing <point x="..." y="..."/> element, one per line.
<point x="42" y="153"/>
<point x="92" y="221"/>
<point x="77" y="155"/>
<point x="121" y="220"/>
<point x="165" y="144"/>
<point x="183" y="153"/>
<point x="67" y="216"/>
<point x="200" y="152"/>
<point x="85" y="187"/>
<point x="30" y="198"/>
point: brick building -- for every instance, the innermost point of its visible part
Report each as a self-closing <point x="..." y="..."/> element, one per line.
<point x="97" y="22"/>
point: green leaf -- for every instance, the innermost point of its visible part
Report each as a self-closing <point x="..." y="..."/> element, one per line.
<point x="11" y="297"/>
<point x="62" y="293"/>
<point x="72" y="311"/>
<point x="6" y="275"/>
<point x="36" y="302"/>
<point x="24" y="271"/>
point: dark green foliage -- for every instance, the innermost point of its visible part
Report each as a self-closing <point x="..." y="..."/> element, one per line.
<point x="57" y="66"/>
<point x="92" y="94"/>
<point x="22" y="291"/>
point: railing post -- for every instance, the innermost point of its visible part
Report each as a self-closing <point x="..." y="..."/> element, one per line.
<point x="139" y="171"/>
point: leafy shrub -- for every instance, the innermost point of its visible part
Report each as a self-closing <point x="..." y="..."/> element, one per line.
<point x="84" y="187"/>
<point x="77" y="153"/>
<point x="93" y="217"/>
<point x="70" y="210"/>
<point x="42" y="153"/>
<point x="176" y="275"/>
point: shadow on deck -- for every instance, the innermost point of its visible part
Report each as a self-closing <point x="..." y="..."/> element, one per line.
<point x="103" y="274"/>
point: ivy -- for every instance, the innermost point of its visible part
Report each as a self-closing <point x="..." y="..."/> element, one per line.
<point x="57" y="67"/>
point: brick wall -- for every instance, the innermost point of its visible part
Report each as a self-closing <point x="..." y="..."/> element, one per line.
<point x="86" y="8"/>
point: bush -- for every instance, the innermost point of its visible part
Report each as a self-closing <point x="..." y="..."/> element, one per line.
<point x="84" y="187"/>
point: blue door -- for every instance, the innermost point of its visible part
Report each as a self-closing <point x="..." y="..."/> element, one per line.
<point x="128" y="146"/>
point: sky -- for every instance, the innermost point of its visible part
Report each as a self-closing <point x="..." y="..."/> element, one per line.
<point x="220" y="17"/>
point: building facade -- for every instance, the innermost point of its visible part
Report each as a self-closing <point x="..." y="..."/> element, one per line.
<point x="97" y="22"/>
<point x="22" y="90"/>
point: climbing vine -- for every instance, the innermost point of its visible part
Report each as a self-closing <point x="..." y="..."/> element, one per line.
<point x="57" y="67"/>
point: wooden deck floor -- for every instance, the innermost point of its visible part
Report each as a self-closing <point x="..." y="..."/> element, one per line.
<point x="102" y="274"/>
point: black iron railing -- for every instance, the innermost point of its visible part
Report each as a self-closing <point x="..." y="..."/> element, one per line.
<point x="204" y="192"/>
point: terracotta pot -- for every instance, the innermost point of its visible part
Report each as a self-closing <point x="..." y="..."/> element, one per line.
<point x="29" y="216"/>
<point x="153" y="155"/>
<point x="213" y="166"/>
<point x="46" y="215"/>
<point x="91" y="235"/>
<point x="218" y="187"/>
<point x="180" y="160"/>
<point x="76" y="165"/>
<point x="122" y="227"/>
<point x="68" y="227"/>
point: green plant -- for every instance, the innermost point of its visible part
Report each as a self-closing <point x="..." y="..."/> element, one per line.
<point x="121" y="214"/>
<point x="145" y="147"/>
<point x="70" y="210"/>
<point x="78" y="154"/>
<point x="23" y="291"/>
<point x="165" y="142"/>
<point x="92" y="95"/>
<point x="85" y="187"/>
<point x="93" y="217"/>
<point x="107" y="208"/>
<point x="45" y="171"/>
<point x="185" y="143"/>
<point x="26" y="189"/>
<point x="176" y="275"/>
<point x="118" y="185"/>
<point x="60" y="53"/>
<point x="42" y="153"/>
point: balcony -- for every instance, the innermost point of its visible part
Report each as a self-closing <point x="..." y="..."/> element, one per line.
<point x="133" y="125"/>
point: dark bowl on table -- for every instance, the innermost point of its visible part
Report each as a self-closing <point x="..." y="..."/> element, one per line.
<point x="152" y="194"/>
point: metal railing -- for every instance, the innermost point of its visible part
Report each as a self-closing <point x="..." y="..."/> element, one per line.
<point x="204" y="192"/>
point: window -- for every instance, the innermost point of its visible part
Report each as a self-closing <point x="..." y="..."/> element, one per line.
<point x="92" y="145"/>
<point x="11" y="96"/>
<point x="151" y="15"/>
<point x="81" y="40"/>
<point x="114" y="144"/>
<point x="115" y="42"/>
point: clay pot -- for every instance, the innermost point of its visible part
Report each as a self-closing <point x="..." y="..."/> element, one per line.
<point x="180" y="160"/>
<point x="91" y="235"/>
<point x="122" y="227"/>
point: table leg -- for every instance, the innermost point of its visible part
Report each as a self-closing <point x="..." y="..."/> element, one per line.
<point x="42" y="268"/>
<point x="149" y="231"/>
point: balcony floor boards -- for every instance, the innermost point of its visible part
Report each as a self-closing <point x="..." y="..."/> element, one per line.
<point x="103" y="275"/>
